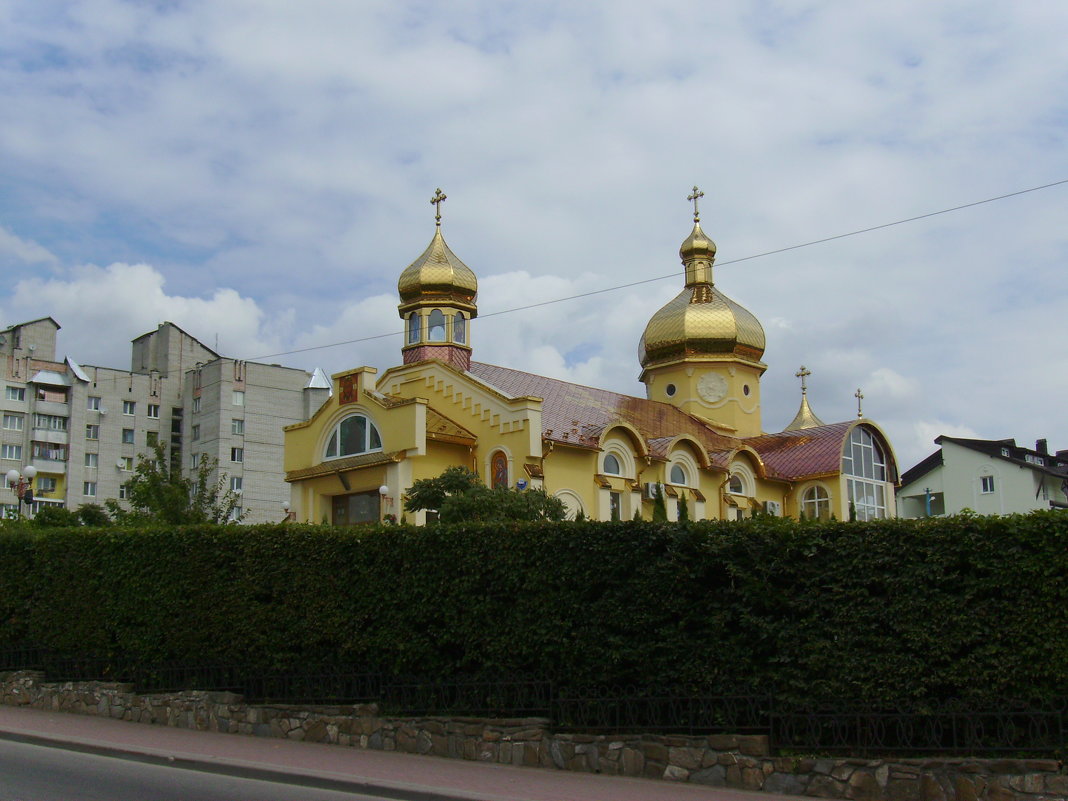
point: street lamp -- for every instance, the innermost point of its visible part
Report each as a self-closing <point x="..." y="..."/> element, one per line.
<point x="387" y="501"/>
<point x="22" y="484"/>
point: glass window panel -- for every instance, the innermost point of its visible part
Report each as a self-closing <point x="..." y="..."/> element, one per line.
<point x="436" y="324"/>
<point x="459" y="329"/>
<point x="331" y="447"/>
<point x="413" y="327"/>
<point x="374" y="437"/>
<point x="353" y="435"/>
<point x="678" y="475"/>
<point x="611" y="465"/>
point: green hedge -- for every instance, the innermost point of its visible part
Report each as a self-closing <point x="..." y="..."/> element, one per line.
<point x="971" y="606"/>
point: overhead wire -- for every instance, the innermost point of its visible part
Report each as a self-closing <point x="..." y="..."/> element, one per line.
<point x="676" y="273"/>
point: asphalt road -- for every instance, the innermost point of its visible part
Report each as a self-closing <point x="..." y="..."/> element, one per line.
<point x="42" y="773"/>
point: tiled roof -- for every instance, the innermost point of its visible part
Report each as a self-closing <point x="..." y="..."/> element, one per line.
<point x="804" y="452"/>
<point x="577" y="415"/>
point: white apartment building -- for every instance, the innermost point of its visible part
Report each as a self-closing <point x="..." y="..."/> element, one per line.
<point x="84" y="427"/>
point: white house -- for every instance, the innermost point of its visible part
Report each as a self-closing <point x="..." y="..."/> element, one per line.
<point x="986" y="476"/>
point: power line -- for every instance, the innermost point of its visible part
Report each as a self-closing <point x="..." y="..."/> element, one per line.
<point x="675" y="274"/>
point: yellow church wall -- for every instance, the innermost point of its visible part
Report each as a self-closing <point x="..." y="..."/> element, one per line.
<point x="725" y="392"/>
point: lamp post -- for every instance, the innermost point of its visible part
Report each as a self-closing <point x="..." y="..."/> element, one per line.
<point x="22" y="484"/>
<point x="289" y="515"/>
<point x="387" y="501"/>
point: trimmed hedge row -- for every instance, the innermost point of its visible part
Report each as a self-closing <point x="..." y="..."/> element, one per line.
<point x="887" y="610"/>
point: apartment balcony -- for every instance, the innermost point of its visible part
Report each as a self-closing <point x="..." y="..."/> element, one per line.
<point x="52" y="407"/>
<point x="51" y="435"/>
<point x="44" y="465"/>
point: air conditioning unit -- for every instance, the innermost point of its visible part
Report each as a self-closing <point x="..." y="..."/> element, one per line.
<point x="102" y="410"/>
<point x="650" y="490"/>
<point x="773" y="508"/>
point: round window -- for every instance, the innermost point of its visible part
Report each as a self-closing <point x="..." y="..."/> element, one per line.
<point x="670" y="390"/>
<point x="745" y="389"/>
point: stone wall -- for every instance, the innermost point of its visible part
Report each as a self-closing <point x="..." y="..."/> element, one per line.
<point x="717" y="760"/>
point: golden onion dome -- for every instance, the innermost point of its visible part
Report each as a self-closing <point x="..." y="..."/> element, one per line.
<point x="438" y="274"/>
<point x="701" y="320"/>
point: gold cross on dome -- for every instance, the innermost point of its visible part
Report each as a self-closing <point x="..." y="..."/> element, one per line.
<point x="697" y="193"/>
<point x="436" y="201"/>
<point x="803" y="373"/>
<point x="860" y="398"/>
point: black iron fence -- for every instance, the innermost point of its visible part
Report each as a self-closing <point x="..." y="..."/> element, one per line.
<point x="988" y="727"/>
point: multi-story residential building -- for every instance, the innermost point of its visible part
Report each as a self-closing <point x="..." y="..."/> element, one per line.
<point x="84" y="428"/>
<point x="987" y="476"/>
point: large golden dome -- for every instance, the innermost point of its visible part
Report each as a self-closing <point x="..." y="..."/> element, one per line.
<point x="701" y="320"/>
<point x="438" y="275"/>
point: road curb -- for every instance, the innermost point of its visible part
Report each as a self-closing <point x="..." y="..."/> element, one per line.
<point x="242" y="770"/>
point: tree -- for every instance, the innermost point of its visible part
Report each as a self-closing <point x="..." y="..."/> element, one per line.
<point x="659" y="507"/>
<point x="459" y="495"/>
<point x="684" y="508"/>
<point x="159" y="493"/>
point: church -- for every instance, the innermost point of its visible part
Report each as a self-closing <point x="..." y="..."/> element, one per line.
<point x="696" y="436"/>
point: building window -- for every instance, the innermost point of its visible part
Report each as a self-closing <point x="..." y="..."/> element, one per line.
<point x="51" y="395"/>
<point x="236" y="483"/>
<point x="194" y="461"/>
<point x="196" y="405"/>
<point x="92" y="431"/>
<point x="239" y="397"/>
<point x="499" y="469"/>
<point x="677" y="475"/>
<point x="129" y="407"/>
<point x="153" y="411"/>
<point x="237" y="454"/>
<point x="815" y="504"/>
<point x="736" y="486"/>
<point x="91" y="460"/>
<point x="355" y="434"/>
<point x="52" y="422"/>
<point x="436" y="326"/>
<point x="16" y="393"/>
<point x="127" y="436"/>
<point x="986" y="484"/>
<point x="13" y="452"/>
<point x="615" y="505"/>
<point x="1005" y="452"/>
<point x="92" y="403"/>
<point x="237" y="426"/>
<point x="235" y="514"/>
<point x="611" y="465"/>
<point x="413" y="328"/>
<point x="89" y="489"/>
<point x="13" y="422"/>
<point x="459" y="329"/>
<point x="46" y="485"/>
<point x="151" y="438"/>
<point x="126" y="463"/>
<point x="196" y="432"/>
<point x="864" y="464"/>
<point x="46" y="450"/>
<point x="124" y="492"/>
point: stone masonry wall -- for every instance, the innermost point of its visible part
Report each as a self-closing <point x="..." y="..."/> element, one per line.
<point x="717" y="760"/>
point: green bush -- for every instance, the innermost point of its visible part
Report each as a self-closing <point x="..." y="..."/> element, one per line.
<point x="891" y="610"/>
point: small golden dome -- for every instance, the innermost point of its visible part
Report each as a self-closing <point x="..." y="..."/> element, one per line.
<point x="437" y="275"/>
<point x="697" y="245"/>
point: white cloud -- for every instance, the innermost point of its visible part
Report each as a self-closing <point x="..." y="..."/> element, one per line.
<point x="23" y="250"/>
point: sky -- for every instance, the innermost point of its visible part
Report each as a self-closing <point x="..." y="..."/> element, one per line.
<point x="260" y="173"/>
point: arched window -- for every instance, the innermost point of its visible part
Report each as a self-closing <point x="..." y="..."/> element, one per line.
<point x="816" y="504"/>
<point x="414" y="321"/>
<point x="355" y="434"/>
<point x="864" y="465"/>
<point x="436" y="326"/>
<point x="611" y="465"/>
<point x="678" y="475"/>
<point x="736" y="485"/>
<point x="499" y="469"/>
<point x="459" y="329"/>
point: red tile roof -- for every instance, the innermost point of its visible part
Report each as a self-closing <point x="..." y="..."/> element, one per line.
<point x="578" y="415"/>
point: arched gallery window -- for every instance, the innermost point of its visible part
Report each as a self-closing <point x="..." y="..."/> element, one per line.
<point x="864" y="465"/>
<point x="414" y="323"/>
<point x="816" y="504"/>
<point x="611" y="465"/>
<point x="354" y="435"/>
<point x="677" y="475"/>
<point x="459" y="329"/>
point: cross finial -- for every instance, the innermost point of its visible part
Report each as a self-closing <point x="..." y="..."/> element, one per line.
<point x="436" y="201"/>
<point x="697" y="193"/>
<point x="860" y="398"/>
<point x="803" y="373"/>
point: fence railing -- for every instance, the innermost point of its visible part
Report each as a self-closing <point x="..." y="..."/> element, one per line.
<point x="988" y="727"/>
